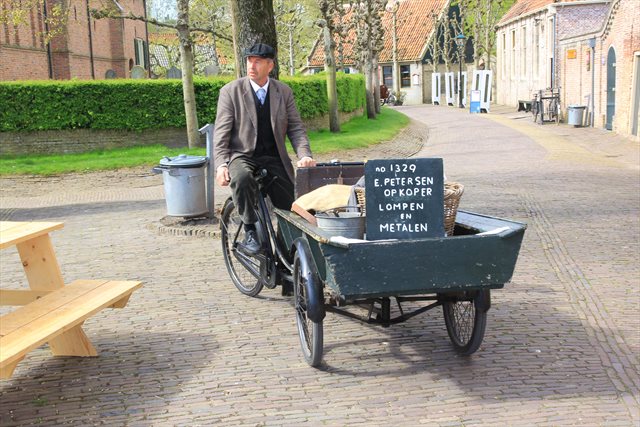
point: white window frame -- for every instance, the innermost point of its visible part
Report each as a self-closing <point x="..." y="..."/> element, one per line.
<point x="140" y="57"/>
<point x="523" y="53"/>
<point x="513" y="53"/>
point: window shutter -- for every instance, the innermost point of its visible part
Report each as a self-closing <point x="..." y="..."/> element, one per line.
<point x="135" y="48"/>
<point x="145" y="49"/>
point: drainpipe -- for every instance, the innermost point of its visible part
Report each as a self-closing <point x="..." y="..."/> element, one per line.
<point x="46" y="31"/>
<point x="146" y="32"/>
<point x="93" y="71"/>
<point x="592" y="45"/>
<point x="553" y="58"/>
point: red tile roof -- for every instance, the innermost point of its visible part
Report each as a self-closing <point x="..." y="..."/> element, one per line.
<point x="414" y="27"/>
<point x="525" y="7"/>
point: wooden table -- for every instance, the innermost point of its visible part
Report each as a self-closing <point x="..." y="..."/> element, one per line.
<point x="38" y="259"/>
<point x="51" y="312"/>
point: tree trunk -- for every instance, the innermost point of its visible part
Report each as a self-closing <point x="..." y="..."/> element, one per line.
<point x="292" y="63"/>
<point x="188" y="91"/>
<point x="394" y="52"/>
<point x="376" y="85"/>
<point x="253" y="22"/>
<point x="435" y="51"/>
<point x="330" y="69"/>
<point x="368" y="76"/>
<point x="446" y="53"/>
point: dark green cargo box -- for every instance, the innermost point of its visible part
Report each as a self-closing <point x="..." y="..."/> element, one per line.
<point x="481" y="255"/>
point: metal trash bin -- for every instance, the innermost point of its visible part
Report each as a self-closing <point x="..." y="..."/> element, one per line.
<point x="184" y="184"/>
<point x="576" y="114"/>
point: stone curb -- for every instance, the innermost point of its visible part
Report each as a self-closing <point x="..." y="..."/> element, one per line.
<point x="176" y="226"/>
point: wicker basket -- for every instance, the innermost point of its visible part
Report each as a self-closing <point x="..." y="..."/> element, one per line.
<point x="452" y="194"/>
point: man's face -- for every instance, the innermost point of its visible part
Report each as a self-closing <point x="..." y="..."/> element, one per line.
<point x="258" y="69"/>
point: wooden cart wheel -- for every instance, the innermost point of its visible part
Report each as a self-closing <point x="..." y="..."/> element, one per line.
<point x="311" y="332"/>
<point x="244" y="270"/>
<point x="466" y="318"/>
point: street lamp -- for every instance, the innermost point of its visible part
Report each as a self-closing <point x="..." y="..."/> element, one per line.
<point x="460" y="41"/>
<point x="393" y="9"/>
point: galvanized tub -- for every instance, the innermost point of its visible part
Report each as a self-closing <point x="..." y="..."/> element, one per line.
<point x="346" y="222"/>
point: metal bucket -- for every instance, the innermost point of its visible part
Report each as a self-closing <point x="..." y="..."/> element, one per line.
<point x="184" y="185"/>
<point x="346" y="222"/>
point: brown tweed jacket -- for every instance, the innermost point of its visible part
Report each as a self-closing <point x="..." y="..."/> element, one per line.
<point x="236" y="126"/>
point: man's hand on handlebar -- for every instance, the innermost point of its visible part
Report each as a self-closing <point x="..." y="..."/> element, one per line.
<point x="306" y="162"/>
<point x="222" y="176"/>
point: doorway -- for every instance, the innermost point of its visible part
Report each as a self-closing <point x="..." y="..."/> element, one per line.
<point x="611" y="87"/>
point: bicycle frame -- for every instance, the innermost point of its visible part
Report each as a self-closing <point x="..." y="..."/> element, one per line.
<point x="546" y="105"/>
<point x="273" y="257"/>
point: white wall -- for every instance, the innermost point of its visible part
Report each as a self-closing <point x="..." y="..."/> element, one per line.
<point x="414" y="92"/>
<point x="524" y="53"/>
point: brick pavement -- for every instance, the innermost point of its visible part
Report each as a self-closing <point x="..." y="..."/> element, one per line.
<point x="561" y="344"/>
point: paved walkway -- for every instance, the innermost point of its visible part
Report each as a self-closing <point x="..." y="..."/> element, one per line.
<point x="562" y="340"/>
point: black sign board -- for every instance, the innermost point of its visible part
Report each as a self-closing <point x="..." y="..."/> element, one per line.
<point x="405" y="198"/>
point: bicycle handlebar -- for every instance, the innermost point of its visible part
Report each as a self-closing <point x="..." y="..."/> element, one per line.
<point x="339" y="163"/>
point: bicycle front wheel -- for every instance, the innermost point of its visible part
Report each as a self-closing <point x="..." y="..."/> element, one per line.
<point x="310" y="332"/>
<point x="243" y="269"/>
<point x="465" y="321"/>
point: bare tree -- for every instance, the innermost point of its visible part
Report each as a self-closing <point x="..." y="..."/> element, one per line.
<point x="54" y="16"/>
<point x="184" y="28"/>
<point x="377" y="35"/>
<point x="433" y="48"/>
<point x="186" y="59"/>
<point x="366" y="15"/>
<point x="480" y="18"/>
<point x="341" y="28"/>
<point x="295" y="33"/>
<point x="330" y="69"/>
<point x="448" y="46"/>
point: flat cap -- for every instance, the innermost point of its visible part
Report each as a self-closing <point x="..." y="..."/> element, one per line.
<point x="260" y="49"/>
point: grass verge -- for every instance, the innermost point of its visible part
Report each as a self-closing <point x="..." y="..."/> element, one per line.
<point x="357" y="133"/>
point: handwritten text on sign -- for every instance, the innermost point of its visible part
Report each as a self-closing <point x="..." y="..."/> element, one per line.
<point x="405" y="198"/>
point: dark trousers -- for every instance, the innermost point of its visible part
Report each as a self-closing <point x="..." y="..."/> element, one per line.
<point x="245" y="189"/>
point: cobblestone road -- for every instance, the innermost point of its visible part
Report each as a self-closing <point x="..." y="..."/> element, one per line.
<point x="562" y="339"/>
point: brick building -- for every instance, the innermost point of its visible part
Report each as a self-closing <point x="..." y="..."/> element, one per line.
<point x="87" y="48"/>
<point x="589" y="49"/>
<point x="601" y="69"/>
<point x="415" y="27"/>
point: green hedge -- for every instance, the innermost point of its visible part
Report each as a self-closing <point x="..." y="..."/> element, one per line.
<point x="143" y="104"/>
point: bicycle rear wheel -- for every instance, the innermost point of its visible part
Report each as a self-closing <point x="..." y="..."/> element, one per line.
<point x="243" y="269"/>
<point x="391" y="100"/>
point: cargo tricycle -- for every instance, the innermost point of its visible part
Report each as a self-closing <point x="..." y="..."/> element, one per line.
<point x="329" y="274"/>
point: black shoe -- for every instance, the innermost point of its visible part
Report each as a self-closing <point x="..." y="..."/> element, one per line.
<point x="250" y="244"/>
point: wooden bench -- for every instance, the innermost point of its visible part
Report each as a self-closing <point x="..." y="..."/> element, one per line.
<point x="51" y="312"/>
<point x="56" y="318"/>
